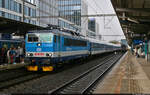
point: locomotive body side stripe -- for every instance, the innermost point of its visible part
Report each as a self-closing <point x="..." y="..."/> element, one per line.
<point x="60" y="54"/>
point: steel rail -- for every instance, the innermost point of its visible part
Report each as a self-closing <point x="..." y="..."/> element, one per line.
<point x="21" y="78"/>
<point x="89" y="87"/>
<point x="64" y="86"/>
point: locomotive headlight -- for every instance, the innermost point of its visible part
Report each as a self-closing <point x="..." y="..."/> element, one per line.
<point x="48" y="54"/>
<point x="39" y="44"/>
<point x="28" y="54"/>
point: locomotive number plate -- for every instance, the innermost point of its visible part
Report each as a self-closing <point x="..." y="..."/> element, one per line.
<point x="39" y="54"/>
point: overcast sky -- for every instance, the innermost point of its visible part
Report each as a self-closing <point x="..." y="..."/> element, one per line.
<point x="107" y="25"/>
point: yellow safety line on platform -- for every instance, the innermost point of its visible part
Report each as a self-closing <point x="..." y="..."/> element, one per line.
<point x="122" y="73"/>
<point x="129" y="75"/>
<point x="118" y="88"/>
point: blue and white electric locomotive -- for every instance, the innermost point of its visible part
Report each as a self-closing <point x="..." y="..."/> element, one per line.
<point x="47" y="48"/>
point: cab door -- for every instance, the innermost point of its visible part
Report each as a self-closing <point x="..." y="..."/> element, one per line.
<point x="59" y="45"/>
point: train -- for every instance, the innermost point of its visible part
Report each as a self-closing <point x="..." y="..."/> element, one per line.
<point x="124" y="47"/>
<point x="10" y="43"/>
<point x="46" y="49"/>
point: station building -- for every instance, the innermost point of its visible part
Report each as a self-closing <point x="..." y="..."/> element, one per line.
<point x="13" y="9"/>
<point x="42" y="12"/>
<point x="39" y="12"/>
<point x="70" y="12"/>
<point x="93" y="29"/>
<point x="45" y="9"/>
<point x="28" y="10"/>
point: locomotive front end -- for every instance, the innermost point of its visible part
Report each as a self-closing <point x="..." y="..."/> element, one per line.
<point x="39" y="50"/>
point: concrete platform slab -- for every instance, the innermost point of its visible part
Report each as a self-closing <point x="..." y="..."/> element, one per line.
<point x="130" y="76"/>
<point x="12" y="66"/>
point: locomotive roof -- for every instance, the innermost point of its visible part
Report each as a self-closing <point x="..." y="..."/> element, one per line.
<point x="59" y="32"/>
<point x="70" y="34"/>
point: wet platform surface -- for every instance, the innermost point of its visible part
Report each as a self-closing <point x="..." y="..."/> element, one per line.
<point x="131" y="75"/>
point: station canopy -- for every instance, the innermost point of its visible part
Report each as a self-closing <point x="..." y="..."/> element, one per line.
<point x="134" y="16"/>
<point x="17" y="27"/>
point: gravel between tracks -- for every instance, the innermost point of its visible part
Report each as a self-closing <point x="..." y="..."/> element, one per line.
<point x="50" y="81"/>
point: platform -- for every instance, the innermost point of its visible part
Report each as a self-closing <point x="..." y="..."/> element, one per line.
<point x="12" y="66"/>
<point x="129" y="76"/>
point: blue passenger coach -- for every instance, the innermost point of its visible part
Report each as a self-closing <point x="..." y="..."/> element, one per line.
<point x="48" y="48"/>
<point x="10" y="43"/>
<point x="98" y="47"/>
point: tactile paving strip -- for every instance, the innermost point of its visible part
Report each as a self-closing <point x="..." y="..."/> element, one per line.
<point x="130" y="76"/>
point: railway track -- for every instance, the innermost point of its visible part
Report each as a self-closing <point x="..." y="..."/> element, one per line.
<point x="12" y="80"/>
<point x="14" y="77"/>
<point x="22" y="77"/>
<point x="84" y="82"/>
<point x="13" y="74"/>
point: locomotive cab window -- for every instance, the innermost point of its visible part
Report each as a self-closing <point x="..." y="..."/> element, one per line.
<point x="40" y="37"/>
<point x="33" y="38"/>
<point x="46" y="37"/>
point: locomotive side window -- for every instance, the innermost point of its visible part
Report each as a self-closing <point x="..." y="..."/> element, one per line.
<point x="74" y="42"/>
<point x="33" y="38"/>
<point x="67" y="42"/>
